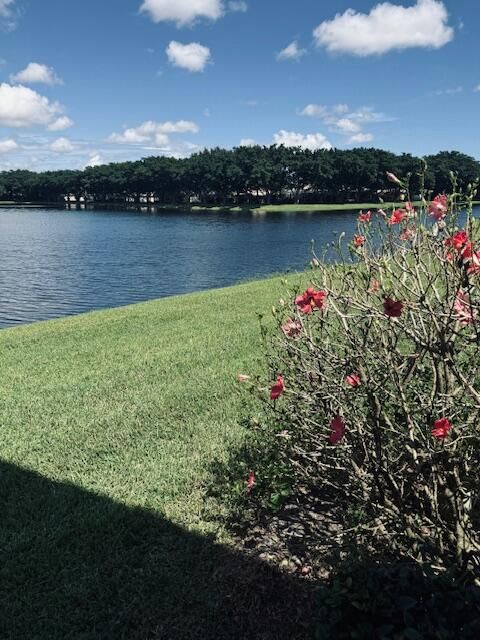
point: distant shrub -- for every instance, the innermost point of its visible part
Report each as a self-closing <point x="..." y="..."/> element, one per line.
<point x="376" y="392"/>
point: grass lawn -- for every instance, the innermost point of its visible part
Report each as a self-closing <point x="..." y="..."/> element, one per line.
<point x="109" y="424"/>
<point x="307" y="208"/>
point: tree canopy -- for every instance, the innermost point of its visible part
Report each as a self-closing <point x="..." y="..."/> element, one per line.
<point x="242" y="176"/>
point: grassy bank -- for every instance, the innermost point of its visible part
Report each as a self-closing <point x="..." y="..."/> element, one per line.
<point x="273" y="208"/>
<point x="110" y="422"/>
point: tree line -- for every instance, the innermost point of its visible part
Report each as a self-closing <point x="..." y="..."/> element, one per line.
<point x="242" y="176"/>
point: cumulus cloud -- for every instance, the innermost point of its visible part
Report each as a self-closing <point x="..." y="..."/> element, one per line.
<point x="292" y="52"/>
<point x="95" y="160"/>
<point x="150" y="130"/>
<point x="60" y="124"/>
<point x="387" y="27"/>
<point x="312" y="141"/>
<point x="62" y="145"/>
<point x="360" y="138"/>
<point x="248" y="142"/>
<point x="193" y="57"/>
<point x="8" y="145"/>
<point x="344" y="121"/>
<point x="24" y="107"/>
<point x="35" y="73"/>
<point x="182" y="12"/>
<point x="153" y="133"/>
<point x="238" y="5"/>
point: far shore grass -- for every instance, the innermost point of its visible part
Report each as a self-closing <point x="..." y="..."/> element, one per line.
<point x="110" y="422"/>
<point x="271" y="208"/>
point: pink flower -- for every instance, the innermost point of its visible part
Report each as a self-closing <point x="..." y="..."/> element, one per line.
<point x="398" y="216"/>
<point x="438" y="208"/>
<point x="463" y="308"/>
<point x="353" y="380"/>
<point x="311" y="300"/>
<point x="374" y="286"/>
<point x="441" y="428"/>
<point x="393" y="178"/>
<point x="358" y="240"/>
<point x="243" y="378"/>
<point x="365" y="217"/>
<point x="277" y="389"/>
<point x="392" y="308"/>
<point x="458" y="241"/>
<point x="291" y="328"/>
<point x="407" y="234"/>
<point x="250" y="481"/>
<point x="337" y="427"/>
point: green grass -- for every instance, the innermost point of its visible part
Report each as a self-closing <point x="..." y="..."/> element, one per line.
<point x="110" y="423"/>
<point x="292" y="208"/>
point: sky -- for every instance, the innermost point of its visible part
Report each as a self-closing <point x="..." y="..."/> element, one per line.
<point x="86" y="82"/>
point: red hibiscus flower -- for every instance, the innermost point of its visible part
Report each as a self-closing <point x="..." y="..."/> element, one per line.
<point x="250" y="481"/>
<point x="311" y="300"/>
<point x="438" y="208"/>
<point x="291" y="328"/>
<point x="353" y="380"/>
<point x="365" y="217"/>
<point x="358" y="240"/>
<point x="458" y="241"/>
<point x="398" y="216"/>
<point x="392" y="308"/>
<point x="337" y="427"/>
<point x="441" y="428"/>
<point x="277" y="388"/>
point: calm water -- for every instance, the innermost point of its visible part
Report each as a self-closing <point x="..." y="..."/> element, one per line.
<point x="56" y="263"/>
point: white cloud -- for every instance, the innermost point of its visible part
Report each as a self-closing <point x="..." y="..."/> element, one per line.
<point x="385" y="28"/>
<point x="193" y="57"/>
<point x="24" y="107"/>
<point x="62" y="145"/>
<point x="8" y="145"/>
<point x="292" y="52"/>
<point x="477" y="88"/>
<point x="152" y="133"/>
<point x="312" y="141"/>
<point x="8" y="14"/>
<point x="60" y="124"/>
<point x="95" y="160"/>
<point x="35" y="73"/>
<point x="238" y="5"/>
<point x="248" y="142"/>
<point x="346" y="125"/>
<point x="452" y="91"/>
<point x="342" y="120"/>
<point x="183" y="12"/>
<point x="360" y="138"/>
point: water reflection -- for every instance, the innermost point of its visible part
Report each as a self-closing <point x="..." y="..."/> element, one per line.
<point x="61" y="262"/>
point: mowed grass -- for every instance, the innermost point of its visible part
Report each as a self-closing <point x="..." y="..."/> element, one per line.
<point x="110" y="422"/>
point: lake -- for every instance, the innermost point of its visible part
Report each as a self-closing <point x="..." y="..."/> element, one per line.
<point x="57" y="263"/>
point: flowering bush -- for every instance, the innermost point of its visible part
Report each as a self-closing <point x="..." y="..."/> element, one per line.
<point x="377" y="381"/>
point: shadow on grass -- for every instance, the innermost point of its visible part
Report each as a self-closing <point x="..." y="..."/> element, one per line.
<point x="78" y="565"/>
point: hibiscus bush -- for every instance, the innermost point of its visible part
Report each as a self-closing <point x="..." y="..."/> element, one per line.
<point x="376" y="392"/>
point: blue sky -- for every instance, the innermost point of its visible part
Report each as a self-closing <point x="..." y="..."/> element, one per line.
<point x="89" y="81"/>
